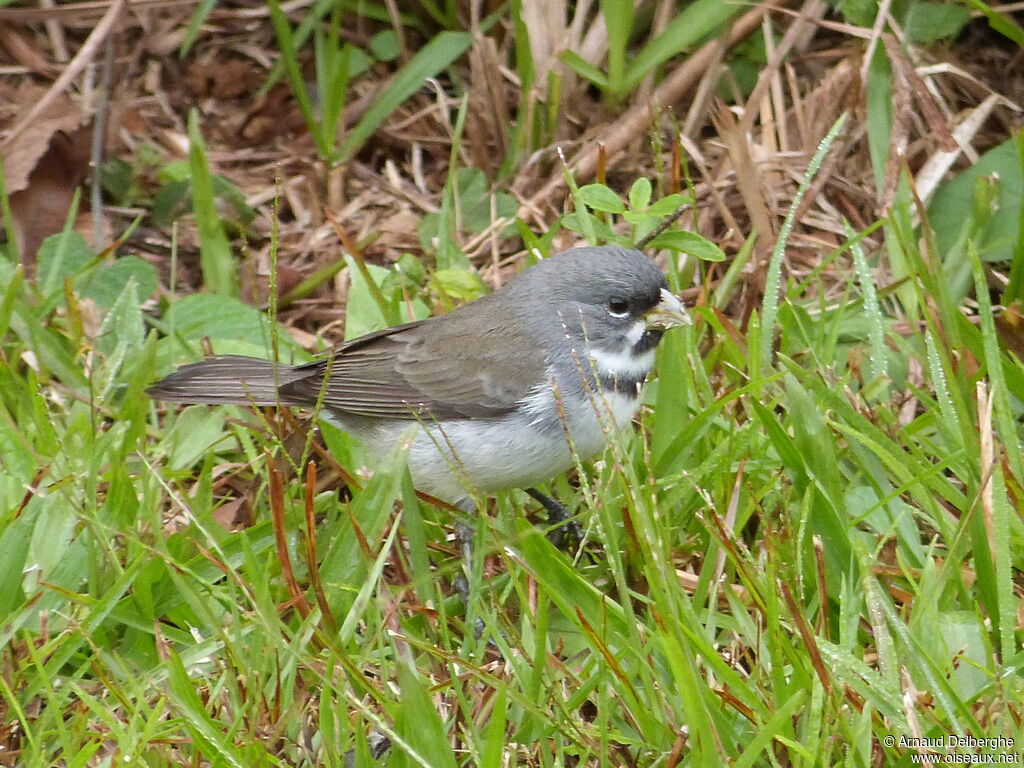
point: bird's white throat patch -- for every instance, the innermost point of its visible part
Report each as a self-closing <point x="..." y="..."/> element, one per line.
<point x="636" y="332"/>
<point x="624" y="363"/>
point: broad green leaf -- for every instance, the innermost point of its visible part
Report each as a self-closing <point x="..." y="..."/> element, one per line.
<point x="640" y="194"/>
<point x="928" y="22"/>
<point x="384" y="46"/>
<point x="598" y="197"/>
<point x="667" y="204"/>
<point x="954" y="200"/>
<point x="204" y="315"/>
<point x="61" y="256"/>
<point x="105" y="283"/>
<point x="197" y="430"/>
<point x="122" y="324"/>
<point x="690" y="243"/>
<point x="459" y="284"/>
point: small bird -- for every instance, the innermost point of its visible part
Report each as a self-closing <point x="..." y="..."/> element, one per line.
<point x="499" y="393"/>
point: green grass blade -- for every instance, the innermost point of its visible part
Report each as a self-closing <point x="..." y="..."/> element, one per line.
<point x="1005" y="428"/>
<point x="431" y="59"/>
<point x="774" y="278"/>
<point x="220" y="273"/>
<point x="697" y="21"/>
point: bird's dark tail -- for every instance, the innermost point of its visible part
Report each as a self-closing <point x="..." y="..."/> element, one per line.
<point x="227" y="379"/>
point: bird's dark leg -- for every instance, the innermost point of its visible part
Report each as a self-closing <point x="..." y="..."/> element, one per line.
<point x="463" y="581"/>
<point x="378" y="743"/>
<point x="560" y="520"/>
<point x="464" y="537"/>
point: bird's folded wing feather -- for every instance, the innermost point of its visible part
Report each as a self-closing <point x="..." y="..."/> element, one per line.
<point x="429" y="370"/>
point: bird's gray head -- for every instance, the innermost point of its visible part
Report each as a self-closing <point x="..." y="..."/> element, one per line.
<point x="613" y="297"/>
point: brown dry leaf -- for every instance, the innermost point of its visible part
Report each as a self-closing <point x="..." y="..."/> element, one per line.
<point x="927" y="106"/>
<point x="748" y="179"/>
<point x="233" y="515"/>
<point x="24" y="52"/>
<point x="221" y="79"/>
<point x="21" y="155"/>
<point x="272" y="116"/>
<point x="42" y="167"/>
<point x="1010" y="327"/>
<point x="489" y="111"/>
<point x="398" y="231"/>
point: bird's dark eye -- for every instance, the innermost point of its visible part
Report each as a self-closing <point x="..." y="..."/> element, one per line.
<point x="618" y="307"/>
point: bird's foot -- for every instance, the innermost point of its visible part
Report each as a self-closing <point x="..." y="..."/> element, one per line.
<point x="379" y="744"/>
<point x="565" y="531"/>
<point x="461" y="583"/>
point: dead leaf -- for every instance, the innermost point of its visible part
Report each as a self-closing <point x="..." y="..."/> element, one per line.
<point x="21" y="155"/>
<point x="42" y="168"/>
<point x="233" y="515"/>
<point x="1010" y="327"/>
<point x="24" y="52"/>
<point x="398" y="232"/>
<point x="271" y="116"/>
<point x="221" y="79"/>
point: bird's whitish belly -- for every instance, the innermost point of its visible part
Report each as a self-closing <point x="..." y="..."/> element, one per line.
<point x="453" y="459"/>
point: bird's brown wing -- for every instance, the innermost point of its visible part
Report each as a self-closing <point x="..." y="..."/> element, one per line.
<point x="433" y="369"/>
